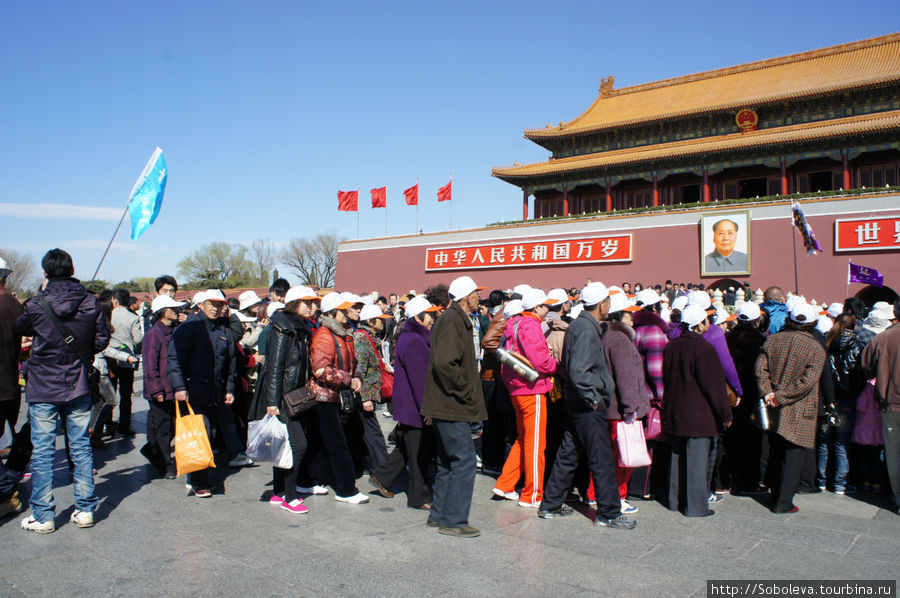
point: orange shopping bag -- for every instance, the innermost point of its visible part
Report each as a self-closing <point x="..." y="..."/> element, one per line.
<point x="192" y="449"/>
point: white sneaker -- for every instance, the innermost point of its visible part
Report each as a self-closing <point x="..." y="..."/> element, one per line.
<point x="82" y="519"/>
<point x="33" y="525"/>
<point x="241" y="460"/>
<point x="507" y="495"/>
<point x="628" y="509"/>
<point x="315" y="490"/>
<point x="357" y="499"/>
<point x="529" y="505"/>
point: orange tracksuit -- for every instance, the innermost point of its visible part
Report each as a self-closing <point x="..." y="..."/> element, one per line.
<point x="527" y="453"/>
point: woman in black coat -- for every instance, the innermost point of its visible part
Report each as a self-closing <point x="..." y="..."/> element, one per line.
<point x="286" y="368"/>
<point x="696" y="410"/>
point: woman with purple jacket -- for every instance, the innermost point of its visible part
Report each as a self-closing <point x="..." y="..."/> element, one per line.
<point x="415" y="436"/>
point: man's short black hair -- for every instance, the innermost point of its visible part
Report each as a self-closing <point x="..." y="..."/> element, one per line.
<point x="233" y="303"/>
<point x="497" y="297"/>
<point x="856" y="307"/>
<point x="122" y="296"/>
<point x="280" y="286"/>
<point x="57" y="264"/>
<point x="897" y="309"/>
<point x="718" y="222"/>
<point x="381" y="299"/>
<point x="163" y="280"/>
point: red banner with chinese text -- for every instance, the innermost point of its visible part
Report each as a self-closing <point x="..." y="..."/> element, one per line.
<point x="612" y="248"/>
<point x="881" y="233"/>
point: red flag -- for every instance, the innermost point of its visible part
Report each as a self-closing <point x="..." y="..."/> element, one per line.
<point x="379" y="197"/>
<point x="443" y="193"/>
<point x="348" y="201"/>
<point x="412" y="195"/>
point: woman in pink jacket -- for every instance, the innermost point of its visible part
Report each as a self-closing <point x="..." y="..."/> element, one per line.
<point x="524" y="336"/>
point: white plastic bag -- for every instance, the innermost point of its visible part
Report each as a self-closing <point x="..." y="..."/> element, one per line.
<point x="286" y="459"/>
<point x="267" y="439"/>
<point x="632" y="446"/>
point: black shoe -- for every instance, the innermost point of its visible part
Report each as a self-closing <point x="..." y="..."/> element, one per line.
<point x="463" y="531"/>
<point x="562" y="511"/>
<point x="620" y="522"/>
<point x="129" y="433"/>
<point x="758" y="491"/>
<point x="709" y="513"/>
<point x="171" y="475"/>
<point x="432" y="523"/>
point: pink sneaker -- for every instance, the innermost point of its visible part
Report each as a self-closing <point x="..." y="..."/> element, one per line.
<point x="276" y="500"/>
<point x="295" y="506"/>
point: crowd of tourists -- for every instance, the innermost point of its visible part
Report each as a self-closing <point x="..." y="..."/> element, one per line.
<point x="535" y="389"/>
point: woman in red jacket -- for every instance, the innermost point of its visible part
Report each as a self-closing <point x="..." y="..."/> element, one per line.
<point x="332" y="372"/>
<point x="524" y="336"/>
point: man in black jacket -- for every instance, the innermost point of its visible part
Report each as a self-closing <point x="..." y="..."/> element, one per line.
<point x="453" y="400"/>
<point x="588" y="390"/>
<point x="201" y="369"/>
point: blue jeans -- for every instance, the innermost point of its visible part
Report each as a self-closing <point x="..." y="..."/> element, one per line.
<point x="838" y="439"/>
<point x="45" y="417"/>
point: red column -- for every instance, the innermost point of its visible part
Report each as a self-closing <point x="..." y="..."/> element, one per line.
<point x="705" y="185"/>
<point x="566" y="200"/>
<point x="784" y="180"/>
<point x="524" y="204"/>
<point x="608" y="196"/>
<point x="845" y="165"/>
<point x="655" y="192"/>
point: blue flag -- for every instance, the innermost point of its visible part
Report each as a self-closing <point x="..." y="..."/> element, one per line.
<point x="147" y="195"/>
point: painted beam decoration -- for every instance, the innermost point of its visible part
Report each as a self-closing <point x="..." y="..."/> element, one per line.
<point x="582" y="250"/>
<point x="880" y="233"/>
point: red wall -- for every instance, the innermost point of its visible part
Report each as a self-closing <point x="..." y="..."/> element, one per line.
<point x="659" y="254"/>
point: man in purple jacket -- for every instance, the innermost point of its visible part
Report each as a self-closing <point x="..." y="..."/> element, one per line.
<point x="157" y="389"/>
<point x="58" y="387"/>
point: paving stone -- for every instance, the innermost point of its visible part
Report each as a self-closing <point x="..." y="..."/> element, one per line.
<point x="7" y="590"/>
<point x="877" y="549"/>
<point x="814" y="562"/>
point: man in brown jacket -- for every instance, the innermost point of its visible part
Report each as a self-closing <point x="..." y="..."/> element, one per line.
<point x="881" y="360"/>
<point x="788" y="371"/>
<point x="454" y="399"/>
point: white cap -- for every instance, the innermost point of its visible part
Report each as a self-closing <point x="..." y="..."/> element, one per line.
<point x="521" y="289"/>
<point x="680" y="302"/>
<point x="462" y="287"/>
<point x="723" y="316"/>
<point x="692" y="315"/>
<point x="248" y="299"/>
<point x="748" y="311"/>
<point x="576" y="309"/>
<point x="369" y="312"/>
<point x="835" y="309"/>
<point x="368" y="300"/>
<point x="534" y="297"/>
<point x="557" y="296"/>
<point x="513" y="308"/>
<point x="803" y="313"/>
<point x="700" y="299"/>
<point x="243" y="317"/>
<point x="198" y="297"/>
<point x="164" y="301"/>
<point x="646" y="297"/>
<point x="792" y="302"/>
<point x="305" y="293"/>
<point x="882" y="310"/>
<point x="273" y="307"/>
<point x="351" y="298"/>
<point x="333" y="301"/>
<point x="209" y="295"/>
<point x="824" y="324"/>
<point x="619" y="301"/>
<point x="594" y="293"/>
<point x="418" y="305"/>
<point x="4" y="268"/>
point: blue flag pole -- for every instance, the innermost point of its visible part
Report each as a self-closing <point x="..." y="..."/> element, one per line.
<point x="143" y="203"/>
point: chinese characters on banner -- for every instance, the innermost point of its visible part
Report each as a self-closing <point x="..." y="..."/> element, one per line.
<point x="615" y="248"/>
<point x="867" y="234"/>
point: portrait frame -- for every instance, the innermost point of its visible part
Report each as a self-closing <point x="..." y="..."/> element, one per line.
<point x="712" y="264"/>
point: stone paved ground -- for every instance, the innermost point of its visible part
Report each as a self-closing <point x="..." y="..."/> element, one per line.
<point x="151" y="540"/>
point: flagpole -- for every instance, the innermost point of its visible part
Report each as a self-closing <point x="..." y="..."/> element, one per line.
<point x="794" y="242"/>
<point x="848" y="277"/>
<point x="451" y="201"/>
<point x="108" y="245"/>
<point x="385" y="210"/>
<point x="417" y="205"/>
<point x="357" y="212"/>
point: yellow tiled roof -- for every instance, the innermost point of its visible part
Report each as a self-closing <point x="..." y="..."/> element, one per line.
<point x="858" y="64"/>
<point x="867" y="123"/>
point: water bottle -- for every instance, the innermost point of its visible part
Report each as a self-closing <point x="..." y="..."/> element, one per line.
<point x="763" y="415"/>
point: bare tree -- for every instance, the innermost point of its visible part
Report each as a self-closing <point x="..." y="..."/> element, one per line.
<point x="24" y="271"/>
<point x="218" y="264"/>
<point x="314" y="260"/>
<point x="264" y="256"/>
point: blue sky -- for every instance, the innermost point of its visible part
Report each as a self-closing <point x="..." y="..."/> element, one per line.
<point x="266" y="109"/>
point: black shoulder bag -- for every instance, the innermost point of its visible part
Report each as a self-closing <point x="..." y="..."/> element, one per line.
<point x="350" y="399"/>
<point x="93" y="374"/>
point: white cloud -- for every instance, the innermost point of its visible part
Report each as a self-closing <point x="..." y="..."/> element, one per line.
<point x="59" y="211"/>
<point x="80" y="244"/>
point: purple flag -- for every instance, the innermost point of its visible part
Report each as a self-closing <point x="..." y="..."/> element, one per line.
<point x="865" y="275"/>
<point x="805" y="230"/>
